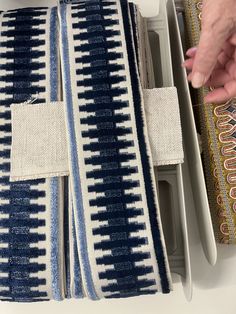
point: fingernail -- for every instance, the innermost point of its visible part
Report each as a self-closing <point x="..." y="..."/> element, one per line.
<point x="198" y="80"/>
<point x="185" y="63"/>
<point x="190" y="51"/>
<point x="189" y="77"/>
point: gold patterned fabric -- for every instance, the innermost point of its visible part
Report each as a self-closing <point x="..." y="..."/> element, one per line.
<point x="217" y="125"/>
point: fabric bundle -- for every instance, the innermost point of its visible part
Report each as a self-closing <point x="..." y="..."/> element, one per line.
<point x="95" y="232"/>
<point x="216" y="122"/>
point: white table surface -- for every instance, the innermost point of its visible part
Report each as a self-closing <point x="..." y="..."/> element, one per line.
<point x="214" y="288"/>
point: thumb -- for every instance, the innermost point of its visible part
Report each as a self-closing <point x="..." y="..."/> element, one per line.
<point x="210" y="45"/>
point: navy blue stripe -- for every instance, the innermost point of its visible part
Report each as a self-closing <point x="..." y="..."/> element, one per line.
<point x="66" y="237"/>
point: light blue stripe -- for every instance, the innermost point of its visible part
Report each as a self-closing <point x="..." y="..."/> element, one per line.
<point x="54" y="71"/>
<point x="54" y="182"/>
<point x="55" y="230"/>
<point x="78" y="204"/>
<point x="78" y="292"/>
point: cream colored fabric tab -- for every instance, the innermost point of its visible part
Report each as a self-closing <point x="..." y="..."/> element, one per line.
<point x="164" y="125"/>
<point x="39" y="145"/>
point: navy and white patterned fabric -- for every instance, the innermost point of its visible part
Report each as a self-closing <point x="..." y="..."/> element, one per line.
<point x="31" y="264"/>
<point x="96" y="233"/>
<point x="115" y="204"/>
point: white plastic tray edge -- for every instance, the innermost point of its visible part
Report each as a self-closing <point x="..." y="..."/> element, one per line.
<point x="198" y="180"/>
<point x="159" y="25"/>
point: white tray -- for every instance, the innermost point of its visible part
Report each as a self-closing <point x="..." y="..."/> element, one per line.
<point x="192" y="149"/>
<point x="170" y="179"/>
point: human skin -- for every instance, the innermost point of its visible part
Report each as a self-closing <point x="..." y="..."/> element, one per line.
<point x="213" y="61"/>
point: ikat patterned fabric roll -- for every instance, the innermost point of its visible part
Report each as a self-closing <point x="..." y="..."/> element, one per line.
<point x="96" y="233"/>
<point x="116" y="212"/>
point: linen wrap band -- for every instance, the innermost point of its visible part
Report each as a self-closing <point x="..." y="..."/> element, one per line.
<point x="39" y="145"/>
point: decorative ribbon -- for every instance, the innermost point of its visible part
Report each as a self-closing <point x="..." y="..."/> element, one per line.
<point x="217" y="126"/>
<point x="96" y="233"/>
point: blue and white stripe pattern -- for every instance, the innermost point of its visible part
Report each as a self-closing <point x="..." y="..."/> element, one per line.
<point x="120" y="241"/>
<point x="96" y="233"/>
<point x="31" y="259"/>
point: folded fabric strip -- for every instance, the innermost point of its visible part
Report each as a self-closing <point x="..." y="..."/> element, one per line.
<point x="31" y="244"/>
<point x="39" y="145"/>
<point x="216" y="123"/>
<point x="96" y="233"/>
<point x="164" y="127"/>
<point x="119" y="235"/>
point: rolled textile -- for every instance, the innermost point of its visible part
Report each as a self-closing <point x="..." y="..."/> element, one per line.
<point x="216" y="123"/>
<point x="119" y="235"/>
<point x="96" y="233"/>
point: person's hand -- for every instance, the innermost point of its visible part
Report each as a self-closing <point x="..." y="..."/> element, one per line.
<point x="213" y="62"/>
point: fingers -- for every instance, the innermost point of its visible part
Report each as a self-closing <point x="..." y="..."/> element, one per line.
<point x="218" y="78"/>
<point x="190" y="77"/>
<point x="231" y="68"/>
<point x="223" y="58"/>
<point x="216" y="95"/>
<point x="206" y="56"/>
<point x="225" y="68"/>
<point x="217" y="27"/>
<point x="188" y="64"/>
<point x="232" y="40"/>
<point x="228" y="49"/>
<point x="222" y="94"/>
<point x="227" y="53"/>
<point x="191" y="52"/>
